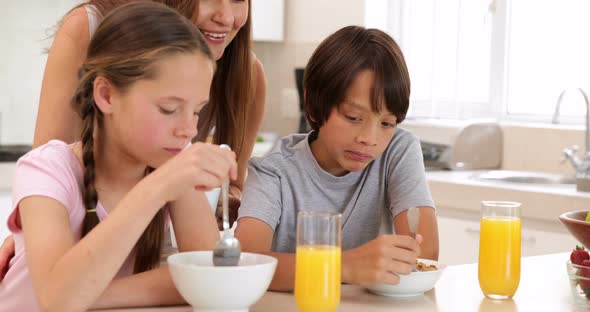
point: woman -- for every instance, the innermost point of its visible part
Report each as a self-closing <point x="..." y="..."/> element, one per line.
<point x="237" y="92"/>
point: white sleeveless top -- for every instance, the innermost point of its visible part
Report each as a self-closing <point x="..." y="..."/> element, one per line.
<point x="92" y="19"/>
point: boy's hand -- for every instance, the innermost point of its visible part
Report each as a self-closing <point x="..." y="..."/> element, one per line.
<point x="380" y="260"/>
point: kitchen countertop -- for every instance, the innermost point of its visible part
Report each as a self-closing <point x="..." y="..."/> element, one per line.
<point x="457" y="190"/>
<point x="544" y="286"/>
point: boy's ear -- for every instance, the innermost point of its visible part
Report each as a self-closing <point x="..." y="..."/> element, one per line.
<point x="103" y="94"/>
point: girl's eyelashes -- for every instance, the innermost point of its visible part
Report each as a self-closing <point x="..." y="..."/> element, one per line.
<point x="171" y="111"/>
<point x="166" y="111"/>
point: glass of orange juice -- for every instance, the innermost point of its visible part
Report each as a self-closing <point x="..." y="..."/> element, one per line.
<point x="499" y="249"/>
<point x="317" y="261"/>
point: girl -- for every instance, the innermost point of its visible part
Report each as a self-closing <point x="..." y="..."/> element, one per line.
<point x="237" y="92"/>
<point x="143" y="83"/>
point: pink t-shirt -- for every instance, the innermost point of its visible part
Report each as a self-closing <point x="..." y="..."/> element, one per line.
<point x="51" y="170"/>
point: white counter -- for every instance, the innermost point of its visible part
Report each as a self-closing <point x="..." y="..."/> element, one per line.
<point x="544" y="286"/>
<point x="456" y="189"/>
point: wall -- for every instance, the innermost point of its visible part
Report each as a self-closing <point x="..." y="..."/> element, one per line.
<point x="540" y="148"/>
<point x="27" y="24"/>
<point x="26" y="27"/>
<point x="307" y="23"/>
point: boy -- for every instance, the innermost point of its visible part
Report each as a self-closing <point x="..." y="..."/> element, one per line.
<point x="355" y="162"/>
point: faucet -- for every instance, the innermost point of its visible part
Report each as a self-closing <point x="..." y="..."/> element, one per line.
<point x="582" y="166"/>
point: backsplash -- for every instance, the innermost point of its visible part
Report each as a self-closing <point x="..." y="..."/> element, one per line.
<point x="539" y="148"/>
<point x="306" y="25"/>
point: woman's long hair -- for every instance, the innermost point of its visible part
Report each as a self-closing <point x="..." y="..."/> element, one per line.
<point x="232" y="92"/>
<point x="124" y="50"/>
<point x="233" y="87"/>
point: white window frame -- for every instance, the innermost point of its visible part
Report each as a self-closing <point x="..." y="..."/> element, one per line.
<point x="392" y="20"/>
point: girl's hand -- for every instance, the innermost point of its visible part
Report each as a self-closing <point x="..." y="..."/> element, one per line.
<point x="202" y="166"/>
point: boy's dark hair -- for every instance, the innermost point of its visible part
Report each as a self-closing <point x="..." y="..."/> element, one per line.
<point x="336" y="63"/>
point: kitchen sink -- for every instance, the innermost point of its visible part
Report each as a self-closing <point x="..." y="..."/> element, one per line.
<point x="527" y="177"/>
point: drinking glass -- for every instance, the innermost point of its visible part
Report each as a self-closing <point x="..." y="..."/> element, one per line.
<point x="499" y="249"/>
<point x="317" y="261"/>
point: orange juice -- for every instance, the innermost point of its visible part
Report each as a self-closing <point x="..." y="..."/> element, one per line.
<point x="317" y="278"/>
<point x="499" y="256"/>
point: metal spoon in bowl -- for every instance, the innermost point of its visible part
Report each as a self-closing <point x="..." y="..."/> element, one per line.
<point x="227" y="250"/>
<point x="413" y="219"/>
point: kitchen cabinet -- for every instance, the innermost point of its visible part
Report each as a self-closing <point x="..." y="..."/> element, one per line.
<point x="459" y="239"/>
<point x="268" y="20"/>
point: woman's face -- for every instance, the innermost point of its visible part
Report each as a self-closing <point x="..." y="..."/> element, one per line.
<point x="220" y="21"/>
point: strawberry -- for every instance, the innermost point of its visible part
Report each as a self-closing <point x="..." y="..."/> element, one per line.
<point x="579" y="255"/>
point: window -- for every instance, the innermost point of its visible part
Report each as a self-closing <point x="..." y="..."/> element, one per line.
<point x="486" y="58"/>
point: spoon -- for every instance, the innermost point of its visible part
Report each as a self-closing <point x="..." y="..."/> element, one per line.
<point x="413" y="219"/>
<point x="227" y="250"/>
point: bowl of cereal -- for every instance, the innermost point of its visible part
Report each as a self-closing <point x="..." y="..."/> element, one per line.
<point x="221" y="288"/>
<point x="414" y="284"/>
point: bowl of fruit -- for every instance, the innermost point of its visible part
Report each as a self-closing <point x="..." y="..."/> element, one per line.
<point x="578" y="271"/>
<point x="578" y="224"/>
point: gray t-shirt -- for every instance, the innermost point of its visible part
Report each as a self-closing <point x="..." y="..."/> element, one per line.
<point x="289" y="179"/>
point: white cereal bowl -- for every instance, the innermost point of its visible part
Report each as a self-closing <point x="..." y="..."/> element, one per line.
<point x="413" y="284"/>
<point x="208" y="288"/>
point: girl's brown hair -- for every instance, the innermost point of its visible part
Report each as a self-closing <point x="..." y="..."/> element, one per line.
<point x="233" y="87"/>
<point x="337" y="61"/>
<point x="124" y="50"/>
